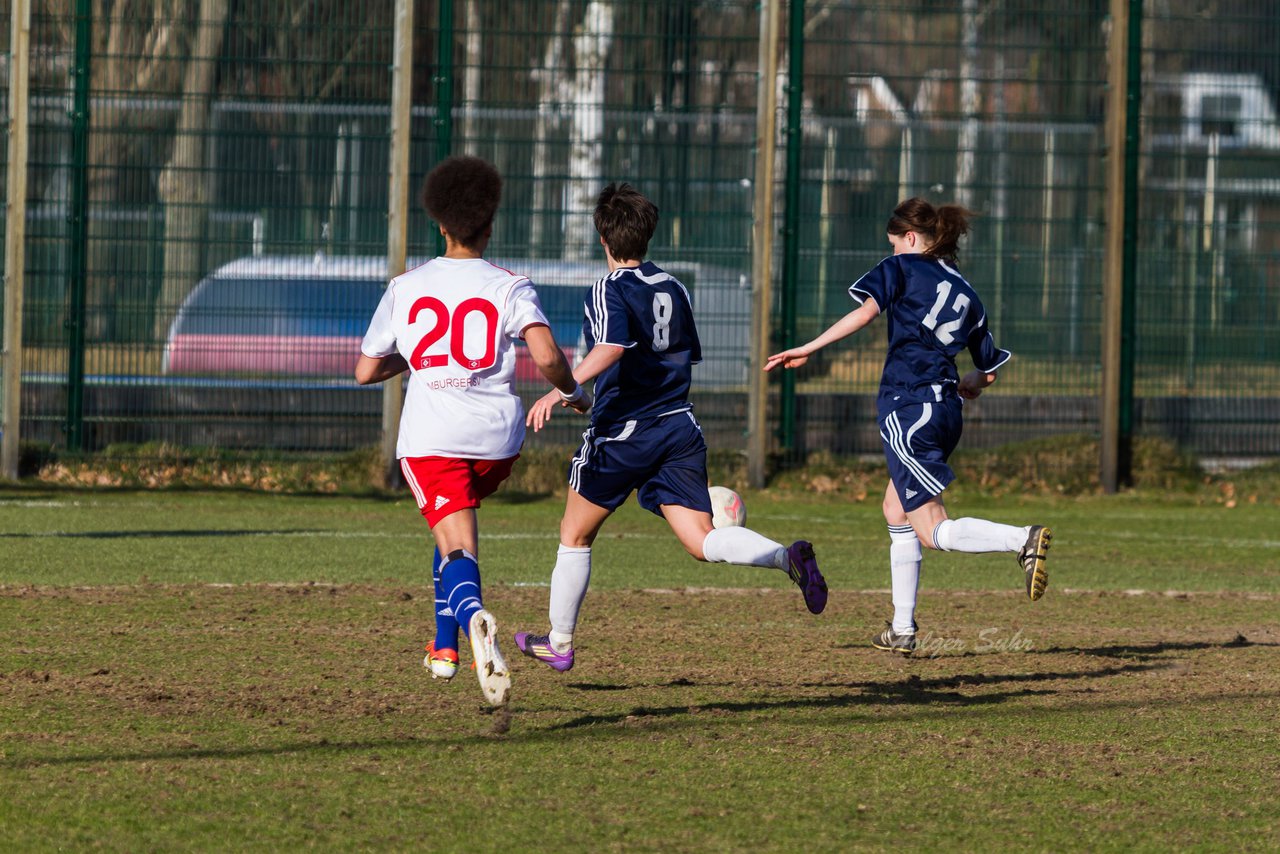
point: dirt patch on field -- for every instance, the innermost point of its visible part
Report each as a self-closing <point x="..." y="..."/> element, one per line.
<point x="692" y="715"/>
<point x="303" y="657"/>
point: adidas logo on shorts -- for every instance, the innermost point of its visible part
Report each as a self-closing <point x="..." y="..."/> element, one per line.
<point x="911" y="493"/>
<point x="441" y="501"/>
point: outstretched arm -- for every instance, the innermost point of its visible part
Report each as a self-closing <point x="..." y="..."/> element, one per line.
<point x="371" y="370"/>
<point x="550" y="360"/>
<point x="842" y="328"/>
<point x="601" y="357"/>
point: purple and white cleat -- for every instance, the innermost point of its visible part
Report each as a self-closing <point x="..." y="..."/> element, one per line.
<point x="802" y="567"/>
<point x="539" y="647"/>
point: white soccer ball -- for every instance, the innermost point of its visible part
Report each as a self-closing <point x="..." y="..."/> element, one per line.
<point x="727" y="509"/>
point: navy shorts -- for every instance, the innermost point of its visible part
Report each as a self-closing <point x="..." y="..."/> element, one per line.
<point x="664" y="459"/>
<point x="918" y="438"/>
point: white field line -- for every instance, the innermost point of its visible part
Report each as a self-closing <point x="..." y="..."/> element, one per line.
<point x="331" y="535"/>
<point x="1216" y="542"/>
<point x="663" y="591"/>
<point x="1209" y="542"/>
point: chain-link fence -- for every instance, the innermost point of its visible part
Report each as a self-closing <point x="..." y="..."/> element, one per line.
<point x="208" y="197"/>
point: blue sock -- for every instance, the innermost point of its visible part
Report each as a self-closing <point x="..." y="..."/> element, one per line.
<point x="446" y="625"/>
<point x="460" y="580"/>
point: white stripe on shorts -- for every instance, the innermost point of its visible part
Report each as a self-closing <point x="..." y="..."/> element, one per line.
<point x="925" y="415"/>
<point x="407" y="471"/>
<point x="903" y="451"/>
<point x="580" y="459"/>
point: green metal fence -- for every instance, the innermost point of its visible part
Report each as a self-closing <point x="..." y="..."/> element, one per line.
<point x="208" y="200"/>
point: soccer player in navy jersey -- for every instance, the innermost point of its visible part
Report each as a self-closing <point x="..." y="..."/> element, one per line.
<point x="643" y="345"/>
<point x="932" y="314"/>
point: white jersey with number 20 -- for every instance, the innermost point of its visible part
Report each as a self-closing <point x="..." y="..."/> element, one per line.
<point x="454" y="321"/>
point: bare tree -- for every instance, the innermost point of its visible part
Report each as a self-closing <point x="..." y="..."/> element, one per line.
<point x="146" y="53"/>
<point x="182" y="185"/>
<point x="138" y="48"/>
<point x="967" y="144"/>
<point x="578" y="93"/>
<point x="586" y="93"/>
<point x="308" y="52"/>
<point x="550" y="78"/>
<point x="472" y="72"/>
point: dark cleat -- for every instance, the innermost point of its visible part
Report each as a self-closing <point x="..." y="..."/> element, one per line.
<point x="802" y="568"/>
<point x="891" y="641"/>
<point x="1032" y="556"/>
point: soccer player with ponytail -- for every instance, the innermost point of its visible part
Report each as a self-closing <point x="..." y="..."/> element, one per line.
<point x="933" y="313"/>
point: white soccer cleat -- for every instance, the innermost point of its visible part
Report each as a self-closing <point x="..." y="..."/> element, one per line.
<point x="443" y="663"/>
<point x="491" y="667"/>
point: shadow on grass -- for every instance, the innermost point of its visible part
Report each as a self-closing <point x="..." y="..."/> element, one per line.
<point x="1144" y="650"/>
<point x="911" y="691"/>
<point x="692" y="714"/>
<point x="125" y="535"/>
<point x="11" y="490"/>
<point x="1139" y="651"/>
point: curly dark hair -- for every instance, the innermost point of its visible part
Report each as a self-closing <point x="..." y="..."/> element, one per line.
<point x="462" y="194"/>
<point x="943" y="225"/>
<point x="626" y="220"/>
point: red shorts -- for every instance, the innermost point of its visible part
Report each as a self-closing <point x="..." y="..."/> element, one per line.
<point x="444" y="485"/>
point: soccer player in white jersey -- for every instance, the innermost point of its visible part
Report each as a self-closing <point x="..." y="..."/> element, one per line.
<point x="643" y="437"/>
<point x="932" y="314"/>
<point x="452" y="323"/>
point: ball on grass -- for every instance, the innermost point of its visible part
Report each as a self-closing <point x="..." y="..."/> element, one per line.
<point x="727" y="509"/>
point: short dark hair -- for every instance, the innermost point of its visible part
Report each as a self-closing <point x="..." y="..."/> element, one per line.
<point x="626" y="220"/>
<point x="943" y="225"/>
<point x="462" y="194"/>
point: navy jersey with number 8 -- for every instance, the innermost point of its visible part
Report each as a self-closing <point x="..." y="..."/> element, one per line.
<point x="646" y="311"/>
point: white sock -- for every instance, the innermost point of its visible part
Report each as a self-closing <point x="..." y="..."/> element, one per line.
<point x="743" y="546"/>
<point x="905" y="558"/>
<point x="978" y="535"/>
<point x="561" y="641"/>
<point x="569" y="582"/>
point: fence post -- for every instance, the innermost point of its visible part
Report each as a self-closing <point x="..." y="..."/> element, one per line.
<point x="397" y="211"/>
<point x="762" y="242"/>
<point x="1124" y="98"/>
<point x="79" y="222"/>
<point x="791" y="216"/>
<point x="15" y="232"/>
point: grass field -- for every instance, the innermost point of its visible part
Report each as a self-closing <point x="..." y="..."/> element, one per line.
<point x="241" y="671"/>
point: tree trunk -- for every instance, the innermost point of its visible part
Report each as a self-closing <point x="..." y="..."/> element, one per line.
<point x="136" y="51"/>
<point x="471" y="74"/>
<point x="586" y="135"/>
<point x="182" y="186"/>
<point x="549" y="84"/>
<point x="967" y="143"/>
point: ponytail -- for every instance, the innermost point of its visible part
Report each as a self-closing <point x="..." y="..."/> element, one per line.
<point x="942" y="226"/>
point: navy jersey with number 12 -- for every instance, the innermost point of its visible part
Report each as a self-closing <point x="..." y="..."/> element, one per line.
<point x="647" y="312"/>
<point x="932" y="314"/>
